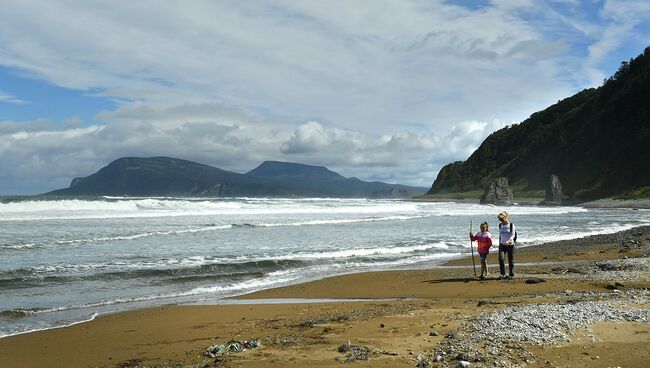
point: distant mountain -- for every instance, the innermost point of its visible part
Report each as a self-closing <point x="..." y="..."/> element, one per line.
<point x="166" y="176"/>
<point x="597" y="142"/>
<point x="169" y="176"/>
<point x="323" y="182"/>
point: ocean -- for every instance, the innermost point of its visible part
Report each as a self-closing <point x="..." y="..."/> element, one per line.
<point x="65" y="261"/>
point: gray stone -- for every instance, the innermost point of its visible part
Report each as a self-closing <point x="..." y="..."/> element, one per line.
<point x="498" y="193"/>
<point x="535" y="280"/>
<point x="553" y="195"/>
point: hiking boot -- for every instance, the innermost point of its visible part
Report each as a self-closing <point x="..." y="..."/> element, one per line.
<point x="482" y="277"/>
<point x="501" y="277"/>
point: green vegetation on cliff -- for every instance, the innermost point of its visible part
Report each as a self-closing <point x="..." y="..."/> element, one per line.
<point x="597" y="142"/>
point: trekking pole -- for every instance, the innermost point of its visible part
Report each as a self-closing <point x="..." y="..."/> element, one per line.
<point x="471" y="245"/>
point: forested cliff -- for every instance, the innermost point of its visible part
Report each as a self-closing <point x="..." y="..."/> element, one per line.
<point x="597" y="142"/>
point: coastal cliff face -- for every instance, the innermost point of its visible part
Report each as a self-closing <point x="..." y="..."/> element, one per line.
<point x="156" y="176"/>
<point x="597" y="141"/>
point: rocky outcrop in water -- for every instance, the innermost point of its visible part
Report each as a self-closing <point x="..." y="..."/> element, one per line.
<point x="498" y="193"/>
<point x="553" y="192"/>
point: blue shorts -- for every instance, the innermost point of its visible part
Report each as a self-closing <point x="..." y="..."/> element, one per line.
<point x="483" y="256"/>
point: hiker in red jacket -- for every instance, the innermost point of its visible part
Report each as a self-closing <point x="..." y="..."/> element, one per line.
<point x="484" y="239"/>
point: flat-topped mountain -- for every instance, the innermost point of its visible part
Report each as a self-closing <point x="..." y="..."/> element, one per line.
<point x="293" y="171"/>
<point x="597" y="142"/>
<point x="166" y="176"/>
<point x="134" y="176"/>
<point x="319" y="179"/>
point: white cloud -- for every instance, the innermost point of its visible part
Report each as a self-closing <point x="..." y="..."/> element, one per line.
<point x="7" y="98"/>
<point x="40" y="156"/>
<point x="355" y="64"/>
<point x="310" y="137"/>
<point x="622" y="17"/>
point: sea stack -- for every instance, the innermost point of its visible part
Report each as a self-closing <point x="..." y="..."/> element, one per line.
<point x="553" y="192"/>
<point x="498" y="193"/>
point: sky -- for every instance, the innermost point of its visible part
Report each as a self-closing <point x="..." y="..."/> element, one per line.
<point x="380" y="90"/>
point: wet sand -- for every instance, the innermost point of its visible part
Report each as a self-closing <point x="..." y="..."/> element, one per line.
<point x="396" y="332"/>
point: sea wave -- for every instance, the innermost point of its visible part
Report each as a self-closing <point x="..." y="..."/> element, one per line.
<point x="58" y="325"/>
<point x="208" y="227"/>
<point x="65" y="209"/>
<point x="363" y="252"/>
<point x="331" y="222"/>
<point x="610" y="229"/>
<point x="189" y="269"/>
<point x="21" y="246"/>
<point x="277" y="278"/>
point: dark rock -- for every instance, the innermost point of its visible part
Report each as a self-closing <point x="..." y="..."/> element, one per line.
<point x="433" y="333"/>
<point x="485" y="302"/>
<point x="355" y="352"/>
<point x="535" y="280"/>
<point x="498" y="193"/>
<point x="610" y="266"/>
<point x="452" y="335"/>
<point x="614" y="286"/>
<point x="553" y="195"/>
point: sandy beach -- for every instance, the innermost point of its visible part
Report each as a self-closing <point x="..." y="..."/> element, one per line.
<point x="575" y="303"/>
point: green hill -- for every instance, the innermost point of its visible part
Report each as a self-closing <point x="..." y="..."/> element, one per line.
<point x="166" y="176"/>
<point x="321" y="181"/>
<point x="597" y="142"/>
<point x="157" y="176"/>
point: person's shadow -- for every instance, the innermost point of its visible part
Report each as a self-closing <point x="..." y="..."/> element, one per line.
<point x="463" y="279"/>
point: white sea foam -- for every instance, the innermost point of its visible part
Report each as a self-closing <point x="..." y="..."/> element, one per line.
<point x="145" y="235"/>
<point x="359" y="252"/>
<point x="341" y="221"/>
<point x="155" y="207"/>
<point x="18" y="246"/>
<point x="91" y="318"/>
<point x="466" y="210"/>
<point x="196" y="261"/>
<point x="214" y="227"/>
<point x="611" y="229"/>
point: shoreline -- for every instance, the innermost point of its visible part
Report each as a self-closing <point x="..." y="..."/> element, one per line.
<point x="598" y="203"/>
<point x="382" y="315"/>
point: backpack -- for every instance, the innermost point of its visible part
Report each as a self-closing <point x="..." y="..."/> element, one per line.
<point x="515" y="238"/>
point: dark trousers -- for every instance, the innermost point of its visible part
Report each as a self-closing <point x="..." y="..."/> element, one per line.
<point x="510" y="250"/>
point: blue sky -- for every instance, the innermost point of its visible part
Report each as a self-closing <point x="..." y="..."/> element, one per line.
<point x="381" y="90"/>
<point x="35" y="98"/>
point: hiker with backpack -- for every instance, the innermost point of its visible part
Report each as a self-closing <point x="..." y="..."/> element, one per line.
<point x="507" y="240"/>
